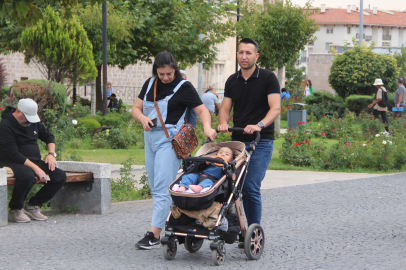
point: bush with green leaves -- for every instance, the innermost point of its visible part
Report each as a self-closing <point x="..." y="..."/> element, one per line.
<point x="121" y="138"/>
<point x="4" y="92"/>
<point x="321" y="103"/>
<point x="358" y="103"/>
<point x="90" y="123"/>
<point x="113" y="119"/>
<point x="369" y="125"/>
<point x="354" y="71"/>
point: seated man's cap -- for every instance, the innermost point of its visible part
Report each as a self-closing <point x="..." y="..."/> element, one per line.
<point x="29" y="108"/>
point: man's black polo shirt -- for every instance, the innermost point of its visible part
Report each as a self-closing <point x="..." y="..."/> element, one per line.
<point x="250" y="100"/>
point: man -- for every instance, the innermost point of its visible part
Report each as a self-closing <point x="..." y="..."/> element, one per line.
<point x="255" y="95"/>
<point x="210" y="100"/>
<point x="380" y="109"/>
<point x="400" y="96"/>
<point x="191" y="116"/>
<point x="19" y="150"/>
<point x="113" y="102"/>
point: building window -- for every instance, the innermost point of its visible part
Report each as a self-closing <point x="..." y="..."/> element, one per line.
<point x="329" y="29"/>
<point x="328" y="46"/>
<point x="348" y="29"/>
<point x="24" y="78"/>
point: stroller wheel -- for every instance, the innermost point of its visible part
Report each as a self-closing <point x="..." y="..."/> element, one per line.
<point x="193" y="244"/>
<point x="254" y="242"/>
<point x="218" y="255"/>
<point x="169" y="248"/>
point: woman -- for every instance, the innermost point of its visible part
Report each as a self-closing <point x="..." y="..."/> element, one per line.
<point x="173" y="96"/>
<point x="308" y="89"/>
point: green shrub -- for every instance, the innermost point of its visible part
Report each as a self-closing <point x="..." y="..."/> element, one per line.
<point x="77" y="110"/>
<point x="369" y="125"/>
<point x="99" y="140"/>
<point x="358" y="103"/>
<point x="4" y="92"/>
<point x="121" y="138"/>
<point x="90" y="123"/>
<point x="112" y="119"/>
<point x="322" y="97"/>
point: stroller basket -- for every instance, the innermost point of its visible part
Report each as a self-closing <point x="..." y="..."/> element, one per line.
<point x="220" y="190"/>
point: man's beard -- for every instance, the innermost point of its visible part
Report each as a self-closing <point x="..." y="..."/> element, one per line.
<point x="25" y="124"/>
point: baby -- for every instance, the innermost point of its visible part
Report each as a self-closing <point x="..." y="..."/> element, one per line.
<point x="212" y="171"/>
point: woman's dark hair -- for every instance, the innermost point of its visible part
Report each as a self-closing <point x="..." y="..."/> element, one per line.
<point x="310" y="83"/>
<point x="164" y="59"/>
<point x="283" y="90"/>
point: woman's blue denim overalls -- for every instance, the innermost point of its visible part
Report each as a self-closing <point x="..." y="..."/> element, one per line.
<point x="160" y="160"/>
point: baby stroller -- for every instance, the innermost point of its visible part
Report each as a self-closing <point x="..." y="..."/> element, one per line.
<point x="226" y="190"/>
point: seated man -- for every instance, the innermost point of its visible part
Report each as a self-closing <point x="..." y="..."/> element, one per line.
<point x="113" y="102"/>
<point x="19" y="150"/>
<point x="212" y="171"/>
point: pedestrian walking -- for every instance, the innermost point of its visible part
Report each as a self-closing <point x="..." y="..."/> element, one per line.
<point x="400" y="96"/>
<point x="380" y="104"/>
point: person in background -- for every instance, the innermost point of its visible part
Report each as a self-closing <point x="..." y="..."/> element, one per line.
<point x="285" y="95"/>
<point x="113" y="102"/>
<point x="400" y="97"/>
<point x="210" y="100"/>
<point x="308" y="89"/>
<point x="191" y="116"/>
<point x="378" y="110"/>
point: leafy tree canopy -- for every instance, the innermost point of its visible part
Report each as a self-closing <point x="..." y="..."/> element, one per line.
<point x="294" y="76"/>
<point x="401" y="61"/>
<point x="59" y="49"/>
<point x="354" y="71"/>
<point x="281" y="30"/>
<point x="27" y="12"/>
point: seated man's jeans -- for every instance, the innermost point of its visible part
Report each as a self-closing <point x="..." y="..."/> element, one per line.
<point x="25" y="180"/>
<point x="251" y="194"/>
<point x="191" y="117"/>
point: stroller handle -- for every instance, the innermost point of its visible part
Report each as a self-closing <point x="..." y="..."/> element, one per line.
<point x="207" y="159"/>
<point x="236" y="129"/>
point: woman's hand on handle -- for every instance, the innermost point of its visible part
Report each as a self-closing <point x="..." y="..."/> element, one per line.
<point x="210" y="133"/>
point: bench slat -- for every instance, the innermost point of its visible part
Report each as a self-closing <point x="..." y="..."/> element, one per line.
<point x="70" y="177"/>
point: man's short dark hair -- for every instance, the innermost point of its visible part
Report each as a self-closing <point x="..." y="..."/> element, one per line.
<point x="401" y="80"/>
<point x="249" y="41"/>
<point x="113" y="95"/>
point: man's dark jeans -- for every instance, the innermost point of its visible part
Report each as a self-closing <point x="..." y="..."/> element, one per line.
<point x="25" y="180"/>
<point x="376" y="114"/>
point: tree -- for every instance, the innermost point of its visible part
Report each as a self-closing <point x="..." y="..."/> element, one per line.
<point x="138" y="30"/>
<point x="294" y="76"/>
<point x="354" y="71"/>
<point x="280" y="30"/>
<point x="401" y="61"/>
<point x="28" y="12"/>
<point x="59" y="49"/>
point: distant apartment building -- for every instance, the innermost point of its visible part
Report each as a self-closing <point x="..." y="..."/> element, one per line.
<point x="338" y="26"/>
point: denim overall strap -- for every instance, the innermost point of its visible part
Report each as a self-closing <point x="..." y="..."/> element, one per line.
<point x="150" y="111"/>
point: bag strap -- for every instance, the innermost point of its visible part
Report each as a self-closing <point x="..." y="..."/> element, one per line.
<point x="159" y="113"/>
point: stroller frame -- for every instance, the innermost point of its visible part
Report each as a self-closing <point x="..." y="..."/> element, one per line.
<point x="253" y="238"/>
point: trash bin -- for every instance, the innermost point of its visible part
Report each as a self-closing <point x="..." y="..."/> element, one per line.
<point x="296" y="115"/>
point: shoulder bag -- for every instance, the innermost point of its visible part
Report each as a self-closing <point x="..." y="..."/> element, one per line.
<point x="185" y="141"/>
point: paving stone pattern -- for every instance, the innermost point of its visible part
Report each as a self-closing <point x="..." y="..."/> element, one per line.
<point x="354" y="224"/>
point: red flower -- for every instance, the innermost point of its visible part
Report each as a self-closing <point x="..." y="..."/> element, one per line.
<point x="1" y="108"/>
<point x="370" y="140"/>
<point x="323" y="134"/>
<point x="303" y="141"/>
<point x="308" y="143"/>
<point x="324" y="115"/>
<point x="297" y="144"/>
<point x="290" y="129"/>
<point x="347" y="143"/>
<point x="404" y="125"/>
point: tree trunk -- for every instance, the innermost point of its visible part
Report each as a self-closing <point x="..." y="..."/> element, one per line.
<point x="99" y="99"/>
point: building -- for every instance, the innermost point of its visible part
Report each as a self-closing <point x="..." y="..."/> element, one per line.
<point x="339" y="26"/>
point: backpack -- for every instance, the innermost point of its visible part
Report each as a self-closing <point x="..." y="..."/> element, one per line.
<point x="384" y="101"/>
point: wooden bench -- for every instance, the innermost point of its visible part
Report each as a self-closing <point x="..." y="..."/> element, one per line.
<point x="71" y="177"/>
<point x="87" y="189"/>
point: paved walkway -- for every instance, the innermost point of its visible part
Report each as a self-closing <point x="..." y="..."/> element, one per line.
<point x="311" y="221"/>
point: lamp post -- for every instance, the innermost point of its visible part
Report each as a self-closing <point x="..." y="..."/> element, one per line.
<point x="104" y="49"/>
<point x="361" y="23"/>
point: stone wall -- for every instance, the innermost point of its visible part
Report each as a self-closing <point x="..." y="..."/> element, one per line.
<point x="318" y="71"/>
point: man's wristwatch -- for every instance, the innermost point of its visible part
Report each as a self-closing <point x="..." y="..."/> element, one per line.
<point x="261" y="125"/>
<point x="52" y="153"/>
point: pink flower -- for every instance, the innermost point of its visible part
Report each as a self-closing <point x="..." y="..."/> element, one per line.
<point x="323" y="134"/>
<point x="297" y="144"/>
<point x="1" y="108"/>
<point x="303" y="141"/>
<point x="290" y="129"/>
<point x="308" y="143"/>
<point x="347" y="143"/>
